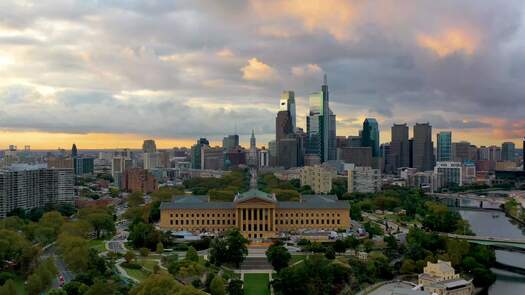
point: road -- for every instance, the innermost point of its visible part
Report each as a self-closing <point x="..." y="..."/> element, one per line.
<point x="61" y="266"/>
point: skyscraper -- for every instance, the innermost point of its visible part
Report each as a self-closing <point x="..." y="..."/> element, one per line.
<point x="399" y="147"/>
<point x="252" y="153"/>
<point x="508" y="150"/>
<point x="320" y="126"/>
<point x="149" y="146"/>
<point x="74" y="151"/>
<point x="422" y="149"/>
<point x="444" y="146"/>
<point x="230" y="142"/>
<point x="288" y="104"/>
<point x="370" y="135"/>
<point x="196" y="153"/>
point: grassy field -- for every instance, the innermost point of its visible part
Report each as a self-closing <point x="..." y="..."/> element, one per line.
<point x="296" y="258"/>
<point x="256" y="284"/>
<point x="137" y="274"/>
<point x="147" y="263"/>
<point x="99" y="245"/>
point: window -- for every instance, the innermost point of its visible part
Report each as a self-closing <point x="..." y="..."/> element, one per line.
<point x="171" y="215"/>
<point x="171" y="222"/>
<point x="176" y="222"/>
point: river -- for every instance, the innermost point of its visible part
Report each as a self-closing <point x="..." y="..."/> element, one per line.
<point x="487" y="223"/>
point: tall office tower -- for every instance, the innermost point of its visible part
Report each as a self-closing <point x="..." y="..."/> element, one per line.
<point x="230" y="142"/>
<point x="252" y="153"/>
<point x="151" y="160"/>
<point x="320" y="126"/>
<point x="370" y="135"/>
<point x="288" y="104"/>
<point x="399" y="147"/>
<point x="423" y="147"/>
<point x="283" y="125"/>
<point x="196" y="153"/>
<point x="494" y="153"/>
<point x="74" y="151"/>
<point x="444" y="146"/>
<point x="34" y="186"/>
<point x="285" y="141"/>
<point x="386" y="155"/>
<point x="149" y="146"/>
<point x="272" y="153"/>
<point x="508" y="150"/>
<point x="461" y="151"/>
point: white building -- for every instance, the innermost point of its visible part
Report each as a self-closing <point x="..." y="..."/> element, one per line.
<point x="452" y="172"/>
<point x="264" y="158"/>
<point x="151" y="160"/>
<point x="364" y="179"/>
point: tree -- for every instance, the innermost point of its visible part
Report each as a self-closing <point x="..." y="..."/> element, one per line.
<point x="129" y="256"/>
<point x="217" y="286"/>
<point x="101" y="222"/>
<point x="9" y="287"/>
<point x="278" y="256"/>
<point x="192" y="254"/>
<point x="159" y="248"/>
<point x="75" y="288"/>
<point x="330" y="253"/>
<point x="144" y="235"/>
<point x="101" y="287"/>
<point x="352" y="242"/>
<point x="34" y="284"/>
<point x="340" y="246"/>
<point x="408" y="266"/>
<point x="237" y="246"/>
<point x="235" y="287"/>
<point x="157" y="284"/>
<point x="135" y="199"/>
<point x="57" y="292"/>
<point x="355" y="212"/>
<point x="144" y="252"/>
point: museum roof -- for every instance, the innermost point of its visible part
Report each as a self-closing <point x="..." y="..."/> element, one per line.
<point x="306" y="201"/>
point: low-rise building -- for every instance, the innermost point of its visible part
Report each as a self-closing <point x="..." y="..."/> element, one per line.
<point x="255" y="213"/>
<point x="364" y="179"/>
<point x="440" y="278"/>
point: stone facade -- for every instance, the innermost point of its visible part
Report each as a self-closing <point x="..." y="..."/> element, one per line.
<point x="256" y="214"/>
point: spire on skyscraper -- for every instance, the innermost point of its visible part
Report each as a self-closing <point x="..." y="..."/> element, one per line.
<point x="325" y="80"/>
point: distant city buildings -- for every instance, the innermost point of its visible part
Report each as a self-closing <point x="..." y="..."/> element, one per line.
<point x="370" y="136"/>
<point x="287" y="103"/>
<point x="196" y="153"/>
<point x="451" y="173"/>
<point x="321" y="126"/>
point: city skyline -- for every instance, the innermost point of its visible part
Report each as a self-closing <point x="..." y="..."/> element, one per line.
<point x="441" y="63"/>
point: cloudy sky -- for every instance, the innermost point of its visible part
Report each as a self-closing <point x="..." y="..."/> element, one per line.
<point x="111" y="73"/>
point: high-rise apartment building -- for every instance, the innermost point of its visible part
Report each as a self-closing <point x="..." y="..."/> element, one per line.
<point x="34" y="186"/>
<point x="320" y="126"/>
<point x="508" y="151"/>
<point x="84" y="166"/>
<point x="139" y="180"/>
<point x="370" y="135"/>
<point x="422" y="147"/>
<point x="151" y="160"/>
<point x="287" y="103"/>
<point x="399" y="147"/>
<point x="444" y="146"/>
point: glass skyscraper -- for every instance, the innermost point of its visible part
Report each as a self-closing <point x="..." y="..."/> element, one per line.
<point x="370" y="135"/>
<point x="444" y="146"/>
<point x="287" y="103"/>
<point x="320" y="126"/>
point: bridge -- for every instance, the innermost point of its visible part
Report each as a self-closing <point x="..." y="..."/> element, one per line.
<point x="490" y="241"/>
<point x="454" y="200"/>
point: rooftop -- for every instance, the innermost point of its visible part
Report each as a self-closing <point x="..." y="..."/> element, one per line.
<point x="306" y="202"/>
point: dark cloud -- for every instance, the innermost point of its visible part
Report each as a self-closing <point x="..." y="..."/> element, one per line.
<point x="447" y="62"/>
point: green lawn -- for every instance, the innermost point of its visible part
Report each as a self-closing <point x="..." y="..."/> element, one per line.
<point x="147" y="263"/>
<point x="296" y="258"/>
<point x="138" y="274"/>
<point x="256" y="284"/>
<point x="99" y="245"/>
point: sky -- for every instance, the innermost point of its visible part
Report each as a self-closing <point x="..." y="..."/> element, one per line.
<point x="108" y="74"/>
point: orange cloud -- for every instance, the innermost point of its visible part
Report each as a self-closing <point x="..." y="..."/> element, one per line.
<point x="225" y="53"/>
<point x="256" y="70"/>
<point x="333" y="16"/>
<point x="449" y="42"/>
<point x="309" y="69"/>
